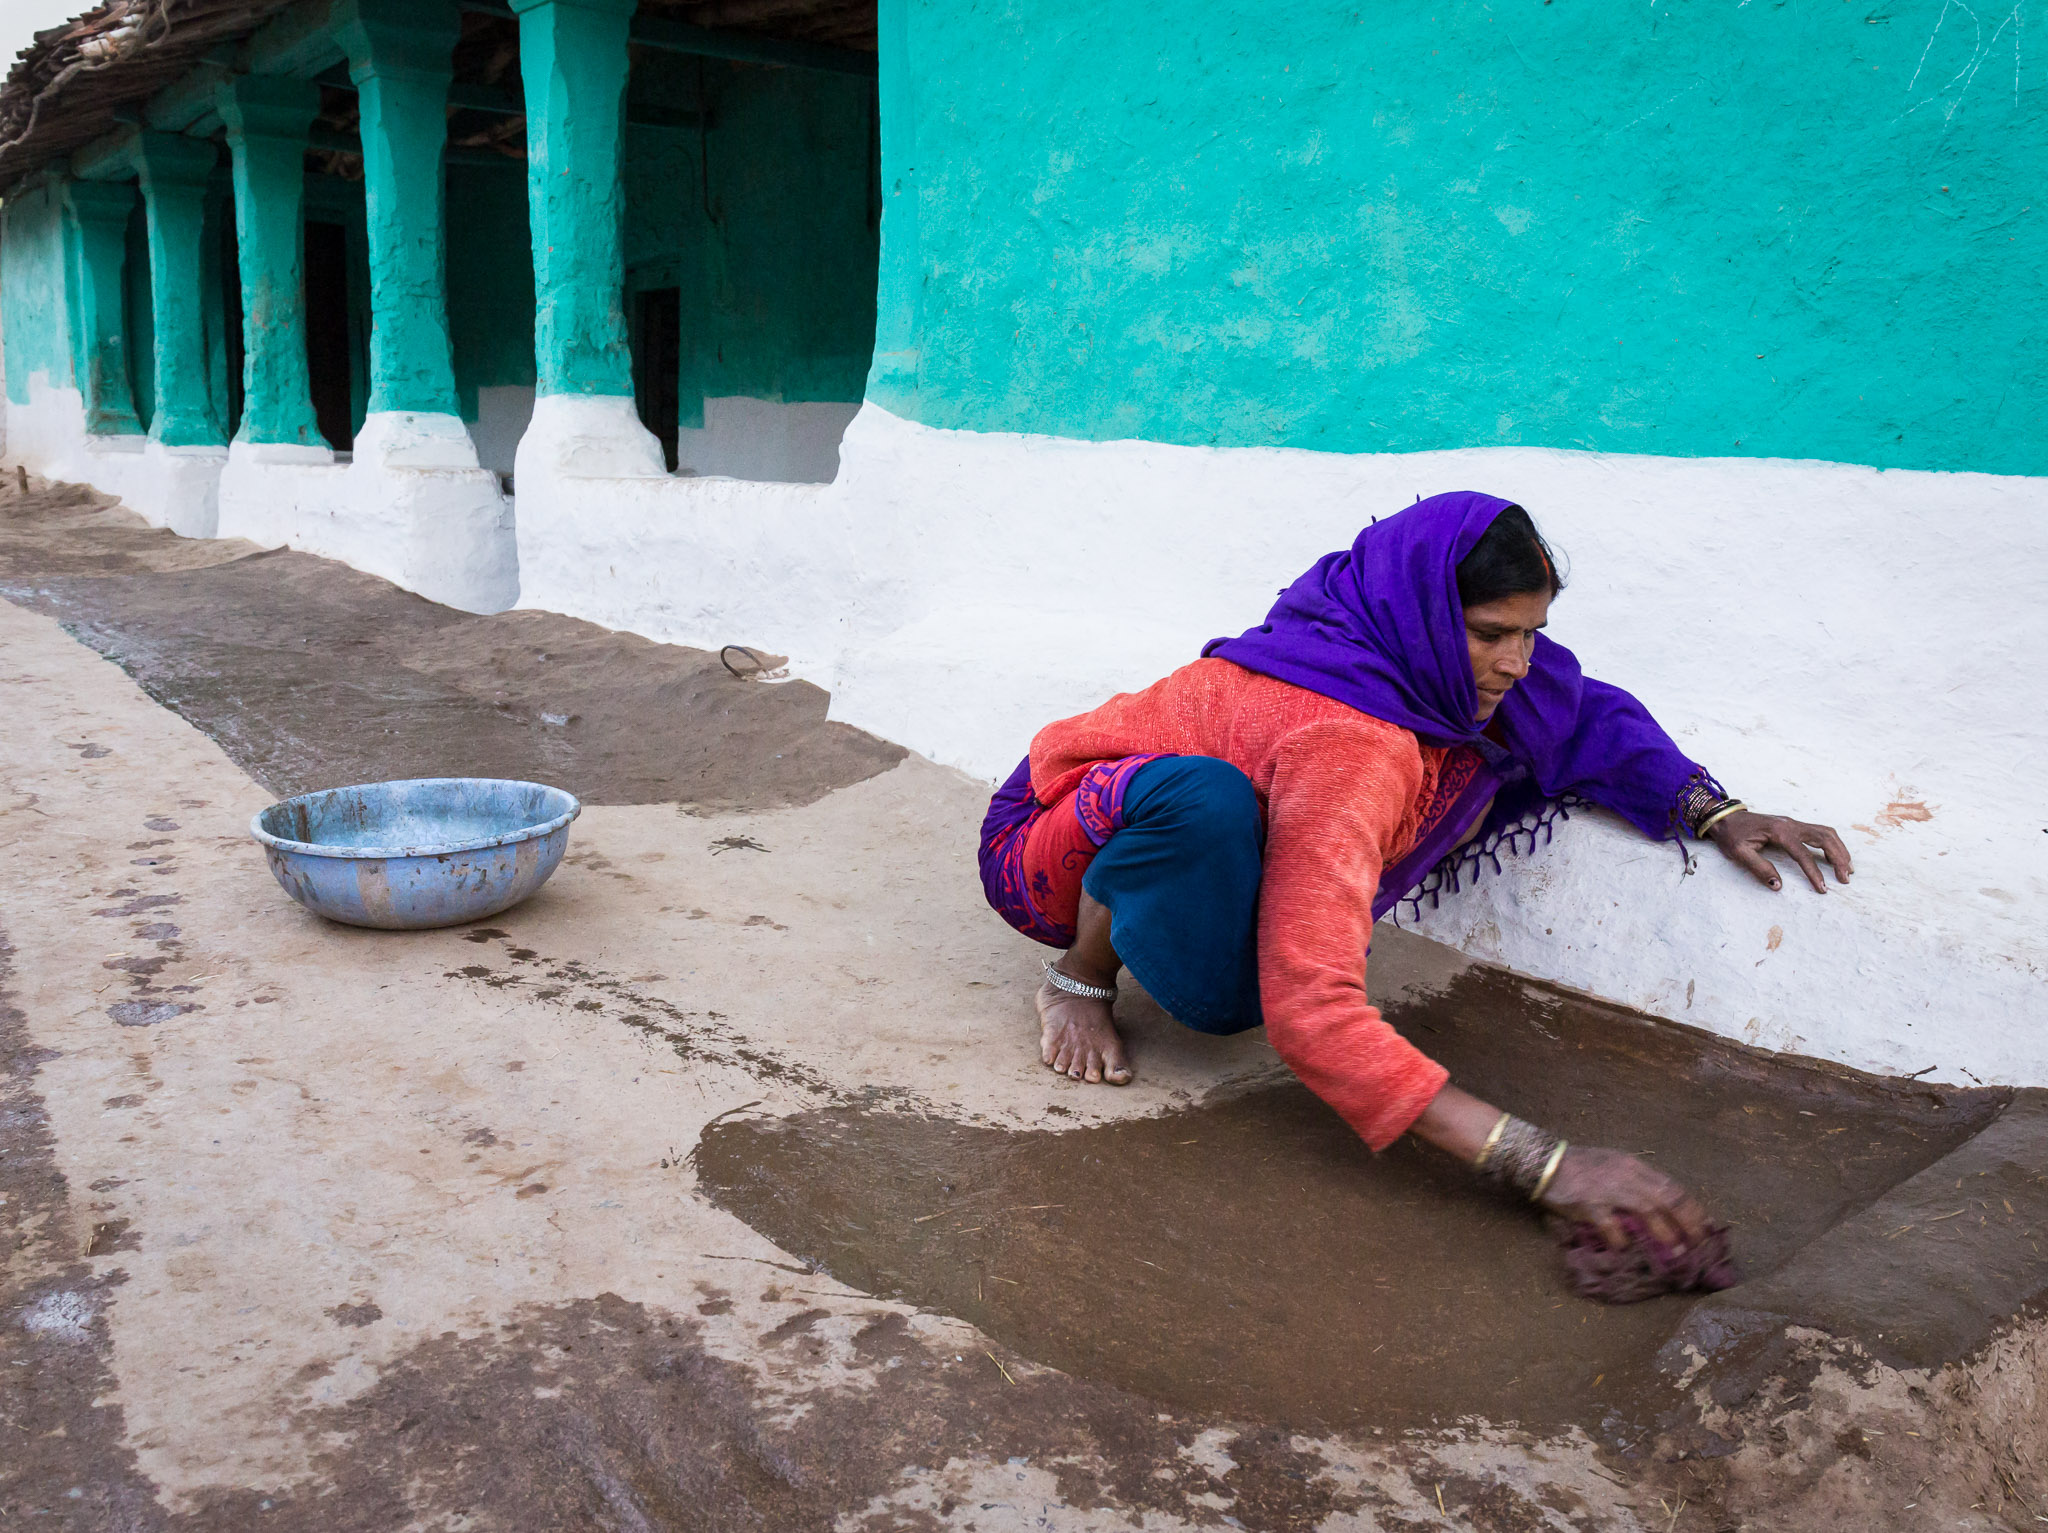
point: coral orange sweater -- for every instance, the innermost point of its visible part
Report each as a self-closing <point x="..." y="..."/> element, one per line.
<point x="1344" y="795"/>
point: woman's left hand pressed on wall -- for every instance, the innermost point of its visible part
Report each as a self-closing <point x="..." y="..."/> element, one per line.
<point x="1744" y="836"/>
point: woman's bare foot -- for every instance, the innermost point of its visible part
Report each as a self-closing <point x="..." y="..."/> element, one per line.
<point x="1077" y="1034"/>
<point x="1078" y="1038"/>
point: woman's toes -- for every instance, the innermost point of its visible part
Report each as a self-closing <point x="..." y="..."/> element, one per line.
<point x="1079" y="1044"/>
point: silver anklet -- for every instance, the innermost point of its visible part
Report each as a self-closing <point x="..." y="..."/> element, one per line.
<point x="1072" y="986"/>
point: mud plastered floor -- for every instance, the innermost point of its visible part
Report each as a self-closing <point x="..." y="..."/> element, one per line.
<point x="720" y="1187"/>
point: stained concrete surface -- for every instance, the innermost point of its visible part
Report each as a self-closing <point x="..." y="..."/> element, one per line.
<point x="313" y="1227"/>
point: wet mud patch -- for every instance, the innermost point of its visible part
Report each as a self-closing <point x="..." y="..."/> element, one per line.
<point x="1252" y="1259"/>
<point x="310" y="674"/>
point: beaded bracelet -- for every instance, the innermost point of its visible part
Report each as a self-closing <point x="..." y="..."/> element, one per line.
<point x="1702" y="806"/>
<point x="1520" y="1155"/>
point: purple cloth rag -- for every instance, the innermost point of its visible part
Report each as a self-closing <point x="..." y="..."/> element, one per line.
<point x="1646" y="1266"/>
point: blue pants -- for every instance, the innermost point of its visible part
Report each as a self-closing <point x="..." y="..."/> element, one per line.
<point x="1181" y="882"/>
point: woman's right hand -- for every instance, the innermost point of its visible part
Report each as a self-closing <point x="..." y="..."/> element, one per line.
<point x="1598" y="1186"/>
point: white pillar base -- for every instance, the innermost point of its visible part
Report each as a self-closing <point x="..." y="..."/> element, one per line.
<point x="397" y="439"/>
<point x="586" y="436"/>
<point x="280" y="452"/>
<point x="412" y="506"/>
<point x="176" y="488"/>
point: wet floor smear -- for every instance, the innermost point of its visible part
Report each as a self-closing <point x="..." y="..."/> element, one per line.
<point x="1251" y="1258"/>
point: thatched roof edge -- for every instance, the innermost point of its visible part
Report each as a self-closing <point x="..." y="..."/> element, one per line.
<point x="68" y="84"/>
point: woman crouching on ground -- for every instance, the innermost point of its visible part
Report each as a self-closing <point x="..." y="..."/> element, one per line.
<point x="1230" y="834"/>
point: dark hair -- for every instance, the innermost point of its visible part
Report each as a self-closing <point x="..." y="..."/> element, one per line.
<point x="1510" y="559"/>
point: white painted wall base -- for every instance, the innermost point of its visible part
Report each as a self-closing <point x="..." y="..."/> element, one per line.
<point x="1822" y="635"/>
<point x="172" y="487"/>
<point x="765" y="439"/>
<point x="412" y="506"/>
<point x="1907" y="969"/>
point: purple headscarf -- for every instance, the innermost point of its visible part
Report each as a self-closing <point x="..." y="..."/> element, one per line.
<point x="1379" y="626"/>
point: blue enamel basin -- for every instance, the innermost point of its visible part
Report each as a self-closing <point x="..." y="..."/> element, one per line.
<point x="429" y="851"/>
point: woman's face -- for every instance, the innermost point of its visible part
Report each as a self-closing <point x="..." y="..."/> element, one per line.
<point x="1501" y="635"/>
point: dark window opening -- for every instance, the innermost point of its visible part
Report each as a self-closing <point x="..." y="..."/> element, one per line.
<point x="327" y="332"/>
<point x="657" y="364"/>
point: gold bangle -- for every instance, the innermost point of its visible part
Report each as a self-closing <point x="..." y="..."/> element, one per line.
<point x="1492" y="1143"/>
<point x="1717" y="817"/>
<point x="1549" y="1170"/>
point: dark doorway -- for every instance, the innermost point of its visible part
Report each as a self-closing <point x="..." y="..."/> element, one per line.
<point x="138" y="318"/>
<point x="657" y="363"/>
<point x="327" y="336"/>
<point x="231" y="313"/>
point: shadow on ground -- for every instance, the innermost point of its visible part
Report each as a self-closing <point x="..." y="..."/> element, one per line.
<point x="310" y="674"/>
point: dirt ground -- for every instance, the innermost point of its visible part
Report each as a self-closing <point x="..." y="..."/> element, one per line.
<point x="719" y="1187"/>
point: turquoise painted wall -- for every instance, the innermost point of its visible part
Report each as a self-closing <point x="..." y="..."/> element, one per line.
<point x="774" y="248"/>
<point x="1799" y="228"/>
<point x="33" y="303"/>
<point x="490" y="279"/>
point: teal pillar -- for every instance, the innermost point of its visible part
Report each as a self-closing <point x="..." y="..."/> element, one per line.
<point x="100" y="211"/>
<point x="174" y="172"/>
<point x="899" y="303"/>
<point x="400" y="57"/>
<point x="573" y="60"/>
<point x="267" y="121"/>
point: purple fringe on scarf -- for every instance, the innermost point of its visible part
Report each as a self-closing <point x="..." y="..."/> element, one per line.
<point x="1468" y="861"/>
<point x="1515" y="834"/>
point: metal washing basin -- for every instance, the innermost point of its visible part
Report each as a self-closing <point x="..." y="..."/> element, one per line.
<point x="423" y="852"/>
